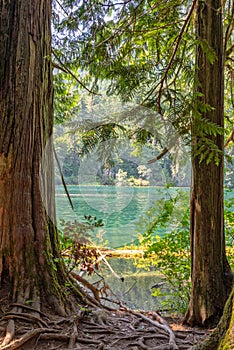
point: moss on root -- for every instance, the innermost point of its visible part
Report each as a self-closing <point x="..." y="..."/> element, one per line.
<point x="223" y="336"/>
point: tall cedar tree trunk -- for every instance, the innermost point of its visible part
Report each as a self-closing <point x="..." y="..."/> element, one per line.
<point x="211" y="274"/>
<point x="28" y="238"/>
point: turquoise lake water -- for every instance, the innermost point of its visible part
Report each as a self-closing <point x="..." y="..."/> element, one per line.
<point x="120" y="208"/>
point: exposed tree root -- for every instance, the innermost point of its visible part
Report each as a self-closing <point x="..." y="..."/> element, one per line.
<point x="26" y="317"/>
<point x="92" y="326"/>
<point x="26" y="307"/>
<point x="10" y="332"/>
<point x="17" y="344"/>
<point x="110" y="330"/>
<point x="73" y="337"/>
<point x="160" y="323"/>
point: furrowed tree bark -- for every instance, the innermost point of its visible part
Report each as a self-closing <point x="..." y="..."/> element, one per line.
<point x="29" y="250"/>
<point x="211" y="274"/>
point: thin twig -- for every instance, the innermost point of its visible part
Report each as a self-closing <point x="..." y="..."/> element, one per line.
<point x="228" y="32"/>
<point x="61" y="6"/>
<point x="65" y="69"/>
<point x="62" y="178"/>
<point x="172" y="56"/>
<point x="230" y="139"/>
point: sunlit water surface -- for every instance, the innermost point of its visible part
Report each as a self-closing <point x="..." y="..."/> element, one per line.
<point x="120" y="209"/>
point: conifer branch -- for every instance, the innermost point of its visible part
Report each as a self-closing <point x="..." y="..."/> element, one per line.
<point x="161" y="82"/>
<point x="165" y="150"/>
<point x="66" y="70"/>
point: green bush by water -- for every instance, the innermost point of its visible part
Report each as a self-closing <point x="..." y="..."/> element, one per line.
<point x="170" y="254"/>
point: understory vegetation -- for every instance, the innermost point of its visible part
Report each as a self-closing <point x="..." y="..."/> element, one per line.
<point x="168" y="253"/>
<point x="127" y="96"/>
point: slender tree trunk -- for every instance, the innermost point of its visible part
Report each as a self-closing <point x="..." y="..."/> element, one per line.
<point x="211" y="275"/>
<point x="28" y="239"/>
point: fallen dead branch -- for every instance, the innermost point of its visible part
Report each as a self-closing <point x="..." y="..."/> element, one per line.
<point x="122" y="253"/>
<point x="88" y="285"/>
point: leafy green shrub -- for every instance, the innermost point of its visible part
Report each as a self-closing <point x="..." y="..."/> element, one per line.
<point x="173" y="262"/>
<point x="170" y="253"/>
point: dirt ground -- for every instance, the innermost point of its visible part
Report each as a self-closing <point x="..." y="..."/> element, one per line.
<point x="94" y="328"/>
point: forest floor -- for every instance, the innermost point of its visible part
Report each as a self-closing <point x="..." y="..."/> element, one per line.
<point x="95" y="328"/>
<point x="92" y="327"/>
